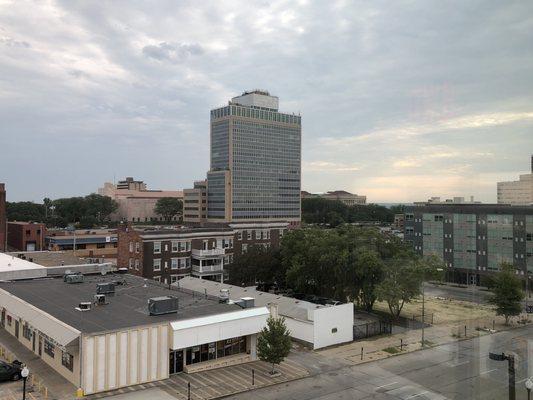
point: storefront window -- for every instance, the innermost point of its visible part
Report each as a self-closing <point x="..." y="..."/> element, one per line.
<point x="214" y="350"/>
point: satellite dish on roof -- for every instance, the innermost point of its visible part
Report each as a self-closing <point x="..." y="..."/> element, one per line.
<point x="103" y="272"/>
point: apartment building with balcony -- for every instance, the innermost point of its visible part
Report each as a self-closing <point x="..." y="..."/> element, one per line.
<point x="169" y="254"/>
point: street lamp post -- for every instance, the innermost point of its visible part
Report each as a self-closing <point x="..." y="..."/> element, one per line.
<point x="529" y="386"/>
<point x="511" y="371"/>
<point x="24" y="373"/>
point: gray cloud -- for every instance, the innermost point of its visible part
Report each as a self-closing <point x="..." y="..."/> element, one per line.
<point x="394" y="96"/>
<point x="172" y="52"/>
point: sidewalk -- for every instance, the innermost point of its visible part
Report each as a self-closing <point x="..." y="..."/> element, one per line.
<point x="58" y="387"/>
<point x="374" y="349"/>
<point x="213" y="384"/>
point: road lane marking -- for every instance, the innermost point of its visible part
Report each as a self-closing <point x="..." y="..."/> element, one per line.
<point x="415" y="395"/>
<point x="388" y="384"/>
<point x="490" y="370"/>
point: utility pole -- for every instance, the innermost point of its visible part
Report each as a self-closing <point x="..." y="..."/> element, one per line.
<point x="423" y="314"/>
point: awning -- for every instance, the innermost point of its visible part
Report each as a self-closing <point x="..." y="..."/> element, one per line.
<point x="59" y="332"/>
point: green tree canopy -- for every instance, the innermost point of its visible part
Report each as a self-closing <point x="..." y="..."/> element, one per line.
<point x="274" y="342"/>
<point x="403" y="279"/>
<point x="323" y="211"/>
<point x="168" y="207"/>
<point x="257" y="265"/>
<point x="507" y="292"/>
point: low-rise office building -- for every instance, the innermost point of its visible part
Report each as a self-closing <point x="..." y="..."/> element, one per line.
<point x="93" y="243"/>
<point x="135" y="202"/>
<point x="313" y="324"/>
<point x="343" y="196"/>
<point x="26" y="236"/>
<point x="517" y="193"/>
<point x="113" y="331"/>
<point x="472" y="239"/>
<point x="195" y="203"/>
<point x="169" y="254"/>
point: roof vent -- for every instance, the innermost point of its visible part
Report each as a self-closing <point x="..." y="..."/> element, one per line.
<point x="73" y="278"/>
<point x="100" y="299"/>
<point x="105" y="288"/>
<point x="163" y="305"/>
<point x="84" y="306"/>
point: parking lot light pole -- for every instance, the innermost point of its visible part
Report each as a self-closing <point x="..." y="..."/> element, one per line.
<point x="510" y="361"/>
<point x="24" y="373"/>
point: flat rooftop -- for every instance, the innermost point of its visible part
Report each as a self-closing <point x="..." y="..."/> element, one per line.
<point x="10" y="262"/>
<point x="287" y="306"/>
<point x="50" y="258"/>
<point x="126" y="308"/>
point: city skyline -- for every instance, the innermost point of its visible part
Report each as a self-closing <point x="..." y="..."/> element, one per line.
<point x="399" y="102"/>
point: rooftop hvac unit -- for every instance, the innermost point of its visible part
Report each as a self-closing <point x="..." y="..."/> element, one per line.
<point x="105" y="288"/>
<point x="223" y="297"/>
<point x="73" y="278"/>
<point x="84" y="306"/>
<point x="162" y="305"/>
<point x="100" y="299"/>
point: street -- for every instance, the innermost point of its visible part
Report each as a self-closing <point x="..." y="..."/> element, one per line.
<point x="472" y="293"/>
<point x="460" y="370"/>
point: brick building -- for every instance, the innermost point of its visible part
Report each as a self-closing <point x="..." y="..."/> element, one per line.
<point x="167" y="255"/>
<point x="26" y="236"/>
<point x="3" y="218"/>
<point x="97" y="243"/>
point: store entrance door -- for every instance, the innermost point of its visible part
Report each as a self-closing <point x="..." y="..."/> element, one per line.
<point x="175" y="361"/>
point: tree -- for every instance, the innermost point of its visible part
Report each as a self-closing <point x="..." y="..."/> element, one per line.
<point x="47" y="207"/>
<point x="168" y="207"/>
<point x="274" y="342"/>
<point x="507" y="292"/>
<point x="403" y="280"/>
<point x="257" y="265"/>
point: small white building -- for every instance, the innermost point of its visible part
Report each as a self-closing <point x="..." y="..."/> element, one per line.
<point x="314" y="324"/>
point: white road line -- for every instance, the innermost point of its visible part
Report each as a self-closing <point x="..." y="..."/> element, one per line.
<point x="490" y="370"/>
<point x="415" y="395"/>
<point x="388" y="384"/>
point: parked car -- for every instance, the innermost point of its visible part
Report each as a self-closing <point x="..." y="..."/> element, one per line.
<point x="10" y="371"/>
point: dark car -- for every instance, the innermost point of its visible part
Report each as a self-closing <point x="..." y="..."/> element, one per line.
<point x="10" y="371"/>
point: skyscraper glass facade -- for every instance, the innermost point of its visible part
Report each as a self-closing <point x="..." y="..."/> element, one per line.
<point x="261" y="148"/>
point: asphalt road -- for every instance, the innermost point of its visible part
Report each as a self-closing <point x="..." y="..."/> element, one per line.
<point x="461" y="371"/>
<point x="471" y="293"/>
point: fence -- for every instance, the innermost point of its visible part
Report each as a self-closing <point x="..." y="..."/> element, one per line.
<point x="369" y="329"/>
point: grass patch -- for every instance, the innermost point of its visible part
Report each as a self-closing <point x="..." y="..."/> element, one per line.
<point x="391" y="350"/>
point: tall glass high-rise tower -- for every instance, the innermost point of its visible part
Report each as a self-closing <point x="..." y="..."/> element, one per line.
<point x="255" y="170"/>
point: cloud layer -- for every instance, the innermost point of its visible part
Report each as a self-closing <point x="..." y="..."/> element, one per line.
<point x="400" y="101"/>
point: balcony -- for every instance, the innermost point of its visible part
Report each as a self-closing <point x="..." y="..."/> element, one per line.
<point x="208" y="253"/>
<point x="207" y="269"/>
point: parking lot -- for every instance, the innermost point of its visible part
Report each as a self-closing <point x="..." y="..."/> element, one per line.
<point x="13" y="391"/>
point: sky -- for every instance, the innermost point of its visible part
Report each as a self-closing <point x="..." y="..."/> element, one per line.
<point x="399" y="100"/>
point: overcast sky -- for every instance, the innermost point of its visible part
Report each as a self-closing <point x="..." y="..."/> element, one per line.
<point x="400" y="100"/>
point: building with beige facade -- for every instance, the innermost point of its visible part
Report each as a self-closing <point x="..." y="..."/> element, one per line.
<point x="135" y="202"/>
<point x="109" y="332"/>
<point x="195" y="203"/>
<point x="343" y="196"/>
<point x="517" y="193"/>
